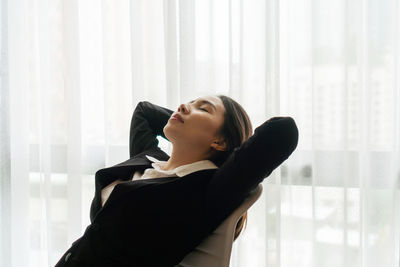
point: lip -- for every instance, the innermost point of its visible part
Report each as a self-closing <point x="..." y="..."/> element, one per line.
<point x="177" y="117"/>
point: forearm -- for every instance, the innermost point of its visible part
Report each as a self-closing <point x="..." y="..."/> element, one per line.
<point x="147" y="122"/>
<point x="157" y="116"/>
<point x="272" y="143"/>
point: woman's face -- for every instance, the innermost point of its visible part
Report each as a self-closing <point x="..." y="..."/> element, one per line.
<point x="202" y="118"/>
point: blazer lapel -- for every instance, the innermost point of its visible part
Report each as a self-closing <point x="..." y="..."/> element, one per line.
<point x="123" y="171"/>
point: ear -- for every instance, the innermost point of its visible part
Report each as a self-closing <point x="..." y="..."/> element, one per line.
<point x="219" y="145"/>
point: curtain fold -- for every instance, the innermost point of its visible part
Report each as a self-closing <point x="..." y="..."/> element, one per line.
<point x="73" y="71"/>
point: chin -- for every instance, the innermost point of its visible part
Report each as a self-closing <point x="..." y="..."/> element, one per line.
<point x="169" y="133"/>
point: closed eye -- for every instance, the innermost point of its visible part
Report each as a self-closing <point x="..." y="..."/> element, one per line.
<point x="206" y="103"/>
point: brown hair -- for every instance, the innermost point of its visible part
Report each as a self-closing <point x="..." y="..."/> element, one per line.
<point x="236" y="129"/>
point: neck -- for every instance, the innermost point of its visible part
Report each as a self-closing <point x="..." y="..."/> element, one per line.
<point x="181" y="156"/>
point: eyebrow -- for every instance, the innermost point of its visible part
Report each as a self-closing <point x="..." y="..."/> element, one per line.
<point x="206" y="102"/>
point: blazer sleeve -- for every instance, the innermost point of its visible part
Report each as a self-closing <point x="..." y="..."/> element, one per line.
<point x="148" y="121"/>
<point x="248" y="165"/>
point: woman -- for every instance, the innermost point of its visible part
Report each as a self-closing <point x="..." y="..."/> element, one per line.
<point x="152" y="209"/>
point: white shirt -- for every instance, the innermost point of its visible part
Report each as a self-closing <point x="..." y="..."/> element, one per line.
<point x="157" y="172"/>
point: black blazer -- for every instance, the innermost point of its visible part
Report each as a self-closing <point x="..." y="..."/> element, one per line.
<point x="156" y="222"/>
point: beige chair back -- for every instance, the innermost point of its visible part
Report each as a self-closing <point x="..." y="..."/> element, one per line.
<point x="215" y="250"/>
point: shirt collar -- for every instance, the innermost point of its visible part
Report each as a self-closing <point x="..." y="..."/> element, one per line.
<point x="183" y="169"/>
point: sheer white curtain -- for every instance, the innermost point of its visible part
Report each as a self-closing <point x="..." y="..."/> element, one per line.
<point x="72" y="72"/>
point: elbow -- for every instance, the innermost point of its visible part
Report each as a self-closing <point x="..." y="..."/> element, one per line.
<point x="292" y="134"/>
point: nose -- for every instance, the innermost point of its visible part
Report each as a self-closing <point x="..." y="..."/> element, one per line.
<point x="183" y="108"/>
